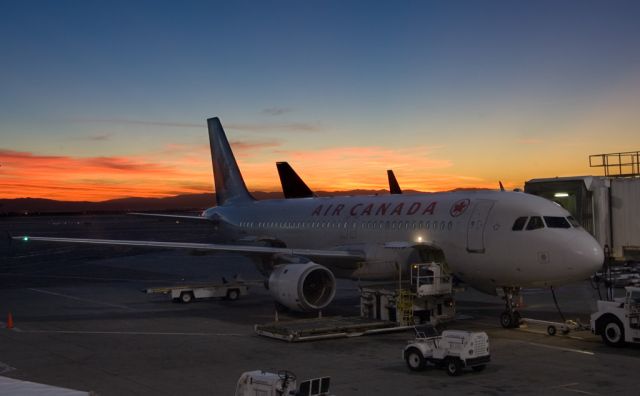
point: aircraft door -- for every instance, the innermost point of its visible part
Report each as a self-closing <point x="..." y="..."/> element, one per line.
<point x="476" y="226"/>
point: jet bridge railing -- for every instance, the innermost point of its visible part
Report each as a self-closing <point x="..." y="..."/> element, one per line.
<point x="623" y="164"/>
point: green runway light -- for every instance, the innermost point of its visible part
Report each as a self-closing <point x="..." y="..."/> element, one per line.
<point x="25" y="238"/>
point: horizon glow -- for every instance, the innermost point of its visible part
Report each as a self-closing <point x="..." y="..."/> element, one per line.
<point x="109" y="100"/>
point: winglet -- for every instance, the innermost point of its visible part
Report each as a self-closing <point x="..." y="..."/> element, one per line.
<point x="230" y="187"/>
<point x="394" y="187"/>
<point x="292" y="185"/>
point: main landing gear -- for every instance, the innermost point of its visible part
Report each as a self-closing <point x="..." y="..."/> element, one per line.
<point x="510" y="318"/>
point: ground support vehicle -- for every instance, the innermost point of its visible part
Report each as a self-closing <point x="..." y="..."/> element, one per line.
<point x="426" y="297"/>
<point x="189" y="293"/>
<point x="553" y="327"/>
<point x="618" y="321"/>
<point x="282" y="383"/>
<point x="453" y="350"/>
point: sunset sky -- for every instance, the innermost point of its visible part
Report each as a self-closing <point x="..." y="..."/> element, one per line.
<point x="109" y="99"/>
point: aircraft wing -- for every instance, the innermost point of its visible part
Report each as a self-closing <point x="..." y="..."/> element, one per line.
<point x="178" y="217"/>
<point x="243" y="249"/>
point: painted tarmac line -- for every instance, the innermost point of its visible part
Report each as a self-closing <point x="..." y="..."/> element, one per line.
<point x="146" y="333"/>
<point x="564" y="349"/>
<point x="566" y="387"/>
<point x="32" y="275"/>
<point x="3" y="325"/>
<point x="82" y="299"/>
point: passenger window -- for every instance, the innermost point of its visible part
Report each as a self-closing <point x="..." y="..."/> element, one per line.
<point x="518" y="225"/>
<point x="535" y="222"/>
<point x="556" y="222"/>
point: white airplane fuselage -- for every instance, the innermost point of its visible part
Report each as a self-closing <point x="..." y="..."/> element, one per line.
<point x="489" y="239"/>
<point x="472" y="229"/>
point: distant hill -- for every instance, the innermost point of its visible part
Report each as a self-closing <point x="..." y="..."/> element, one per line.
<point x="175" y="203"/>
<point x="188" y="202"/>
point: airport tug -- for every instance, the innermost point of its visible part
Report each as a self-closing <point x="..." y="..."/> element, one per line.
<point x="453" y="350"/>
<point x="282" y="383"/>
<point x="618" y="321"/>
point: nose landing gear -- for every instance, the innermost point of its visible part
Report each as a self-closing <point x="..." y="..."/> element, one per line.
<point x="510" y="318"/>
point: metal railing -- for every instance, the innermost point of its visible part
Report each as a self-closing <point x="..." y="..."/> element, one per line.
<point x="617" y="164"/>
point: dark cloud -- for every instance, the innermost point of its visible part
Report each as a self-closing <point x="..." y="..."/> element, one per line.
<point x="100" y="137"/>
<point x="276" y="111"/>
<point x="246" y="145"/>
<point x="257" y="127"/>
<point x="281" y="127"/>
<point x="138" y="122"/>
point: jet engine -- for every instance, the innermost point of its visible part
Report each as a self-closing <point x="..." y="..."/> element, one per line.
<point x="302" y="287"/>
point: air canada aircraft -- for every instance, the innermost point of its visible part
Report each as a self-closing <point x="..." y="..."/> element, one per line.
<point x="491" y="240"/>
<point x="294" y="187"/>
<point x="394" y="187"/>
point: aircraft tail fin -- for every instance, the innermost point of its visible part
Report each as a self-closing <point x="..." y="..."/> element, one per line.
<point x="230" y="187"/>
<point x="292" y="185"/>
<point x="394" y="187"/>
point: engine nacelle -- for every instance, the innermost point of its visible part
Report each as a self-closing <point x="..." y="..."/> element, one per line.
<point x="302" y="287"/>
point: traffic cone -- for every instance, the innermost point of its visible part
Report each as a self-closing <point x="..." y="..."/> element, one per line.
<point x="9" y="321"/>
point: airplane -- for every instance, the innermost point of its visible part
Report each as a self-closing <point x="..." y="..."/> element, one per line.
<point x="294" y="187"/>
<point x="491" y="240"/>
<point x="394" y="187"/>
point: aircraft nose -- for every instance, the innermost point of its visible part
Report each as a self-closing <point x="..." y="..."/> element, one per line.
<point x="588" y="254"/>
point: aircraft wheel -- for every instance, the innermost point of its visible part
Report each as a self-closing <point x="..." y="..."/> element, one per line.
<point x="415" y="360"/>
<point x="510" y="320"/>
<point x="233" y="294"/>
<point x="551" y="330"/>
<point x="506" y="320"/>
<point x="613" y="332"/>
<point x="186" y="297"/>
<point x="454" y="367"/>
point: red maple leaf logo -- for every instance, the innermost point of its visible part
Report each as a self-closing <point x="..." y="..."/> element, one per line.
<point x="459" y="207"/>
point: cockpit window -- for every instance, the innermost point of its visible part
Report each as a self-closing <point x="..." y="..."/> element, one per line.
<point x="518" y="225"/>
<point x="556" y="222"/>
<point x="535" y="222"/>
<point x="573" y="222"/>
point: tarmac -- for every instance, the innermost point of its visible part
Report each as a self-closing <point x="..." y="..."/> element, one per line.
<point x="82" y="322"/>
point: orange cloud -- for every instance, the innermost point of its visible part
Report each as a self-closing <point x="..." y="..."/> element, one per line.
<point x="183" y="169"/>
<point x="347" y="168"/>
<point x="95" y="178"/>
